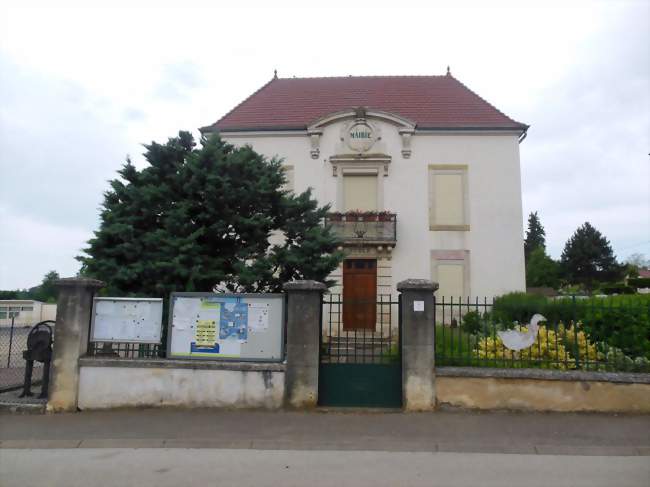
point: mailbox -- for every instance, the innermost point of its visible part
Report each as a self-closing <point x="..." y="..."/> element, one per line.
<point x="39" y="349"/>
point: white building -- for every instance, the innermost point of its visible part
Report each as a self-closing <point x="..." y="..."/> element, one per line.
<point x="440" y="160"/>
<point x="25" y="312"/>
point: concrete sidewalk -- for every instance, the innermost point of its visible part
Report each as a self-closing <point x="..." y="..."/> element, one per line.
<point x="442" y="431"/>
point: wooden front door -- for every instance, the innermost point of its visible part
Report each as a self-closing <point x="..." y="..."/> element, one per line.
<point x="359" y="294"/>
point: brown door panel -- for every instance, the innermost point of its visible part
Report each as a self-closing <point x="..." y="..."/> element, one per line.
<point x="359" y="294"/>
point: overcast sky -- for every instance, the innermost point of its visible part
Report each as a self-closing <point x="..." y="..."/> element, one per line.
<point x="80" y="88"/>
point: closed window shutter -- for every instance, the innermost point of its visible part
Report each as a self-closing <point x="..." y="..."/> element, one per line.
<point x="451" y="279"/>
<point x="448" y="205"/>
<point x="360" y="193"/>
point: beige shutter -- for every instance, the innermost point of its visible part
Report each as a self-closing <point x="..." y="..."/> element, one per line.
<point x="360" y="193"/>
<point x="448" y="203"/>
<point x="451" y="278"/>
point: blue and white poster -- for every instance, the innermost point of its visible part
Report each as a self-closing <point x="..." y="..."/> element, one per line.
<point x="226" y="326"/>
<point x="234" y="320"/>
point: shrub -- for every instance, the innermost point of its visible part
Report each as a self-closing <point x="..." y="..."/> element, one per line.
<point x="471" y="323"/>
<point x="521" y="307"/>
<point x="517" y="307"/>
<point x="622" y="322"/>
<point x="619" y="288"/>
<point x="638" y="282"/>
<point x="617" y="361"/>
<point x="554" y="348"/>
<point x="627" y="328"/>
<point x="548" y="351"/>
<point x="577" y="341"/>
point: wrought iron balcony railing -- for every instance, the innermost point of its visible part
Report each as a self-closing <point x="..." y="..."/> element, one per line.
<point x="364" y="228"/>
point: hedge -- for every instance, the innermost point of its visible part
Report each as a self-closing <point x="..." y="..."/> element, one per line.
<point x="625" y="325"/>
<point x="638" y="282"/>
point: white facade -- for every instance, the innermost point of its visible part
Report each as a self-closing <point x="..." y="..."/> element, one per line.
<point x="482" y="255"/>
<point x="25" y="312"/>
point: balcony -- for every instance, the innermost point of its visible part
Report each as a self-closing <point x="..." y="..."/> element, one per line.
<point x="364" y="228"/>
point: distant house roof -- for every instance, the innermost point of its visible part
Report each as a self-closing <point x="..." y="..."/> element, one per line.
<point x="431" y="102"/>
<point x="645" y="273"/>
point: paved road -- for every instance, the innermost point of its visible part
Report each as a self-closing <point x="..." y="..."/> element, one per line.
<point x="205" y="447"/>
<point x="227" y="467"/>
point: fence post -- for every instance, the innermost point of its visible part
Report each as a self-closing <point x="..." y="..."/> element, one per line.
<point x="74" y="307"/>
<point x="418" y="347"/>
<point x="304" y="305"/>
<point x="11" y="340"/>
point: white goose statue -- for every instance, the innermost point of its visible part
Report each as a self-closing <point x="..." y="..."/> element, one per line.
<point x="518" y="340"/>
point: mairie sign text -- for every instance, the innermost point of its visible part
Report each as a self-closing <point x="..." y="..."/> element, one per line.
<point x="361" y="134"/>
<point x="361" y="137"/>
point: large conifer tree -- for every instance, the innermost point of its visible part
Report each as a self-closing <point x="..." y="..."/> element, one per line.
<point x="535" y="235"/>
<point x="197" y="218"/>
<point x="588" y="257"/>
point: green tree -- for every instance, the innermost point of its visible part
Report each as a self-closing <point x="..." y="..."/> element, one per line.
<point x="46" y="291"/>
<point x="200" y="218"/>
<point x="542" y="270"/>
<point x="12" y="294"/>
<point x="637" y="260"/>
<point x="588" y="258"/>
<point x="535" y="235"/>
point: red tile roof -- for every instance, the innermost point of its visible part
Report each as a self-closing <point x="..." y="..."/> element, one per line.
<point x="440" y="102"/>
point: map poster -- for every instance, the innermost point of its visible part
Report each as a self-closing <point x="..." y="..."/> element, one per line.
<point x="234" y="320"/>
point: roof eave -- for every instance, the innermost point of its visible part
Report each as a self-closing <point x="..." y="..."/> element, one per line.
<point x="522" y="128"/>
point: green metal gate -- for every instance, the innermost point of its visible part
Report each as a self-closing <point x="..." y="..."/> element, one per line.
<point x="360" y="367"/>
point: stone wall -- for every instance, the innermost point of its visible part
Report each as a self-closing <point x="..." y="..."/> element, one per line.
<point x="542" y="390"/>
<point x="113" y="383"/>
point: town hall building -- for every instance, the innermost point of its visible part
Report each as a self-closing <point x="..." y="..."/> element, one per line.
<point x="422" y="174"/>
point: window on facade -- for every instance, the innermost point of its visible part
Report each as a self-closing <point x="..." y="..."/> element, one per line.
<point x="450" y="269"/>
<point x="360" y="192"/>
<point x="448" y="198"/>
<point x="8" y="314"/>
<point x="451" y="279"/>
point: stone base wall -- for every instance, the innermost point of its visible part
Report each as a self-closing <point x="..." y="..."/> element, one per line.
<point x="113" y="383"/>
<point x="539" y="394"/>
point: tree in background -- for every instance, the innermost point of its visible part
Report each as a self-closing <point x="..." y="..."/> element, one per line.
<point x="535" y="235"/>
<point x="588" y="258"/>
<point x="199" y="218"/>
<point x="14" y="294"/>
<point x="638" y="260"/>
<point x="46" y="291"/>
<point x="542" y="270"/>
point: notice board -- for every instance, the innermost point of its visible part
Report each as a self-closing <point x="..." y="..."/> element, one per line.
<point x="137" y="320"/>
<point x="212" y="326"/>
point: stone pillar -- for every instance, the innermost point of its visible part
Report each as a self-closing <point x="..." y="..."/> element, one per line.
<point x="303" y="342"/>
<point x="418" y="348"/>
<point x="74" y="307"/>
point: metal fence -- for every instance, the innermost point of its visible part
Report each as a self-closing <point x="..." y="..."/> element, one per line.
<point x="577" y="334"/>
<point x="126" y="350"/>
<point x="13" y="342"/>
<point x="345" y="339"/>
